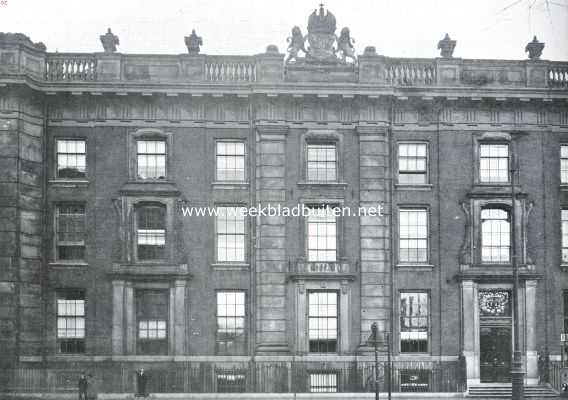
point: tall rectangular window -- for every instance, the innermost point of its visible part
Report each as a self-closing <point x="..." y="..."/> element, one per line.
<point x="322" y="236"/>
<point x="231" y="323"/>
<point x="412" y="163"/>
<point x="564" y="164"/>
<point x="230" y="163"/>
<point x="414" y="321"/>
<point x="71" y="321"/>
<point x="494" y="163"/>
<point x="151" y="159"/>
<point x="152" y="321"/>
<point x="70" y="232"/>
<point x="564" y="227"/>
<point x="71" y="158"/>
<point x="321" y="162"/>
<point x="231" y="234"/>
<point x="151" y="232"/>
<point x="565" y="311"/>
<point x="322" y="321"/>
<point x="413" y="236"/>
<point x="495" y="236"/>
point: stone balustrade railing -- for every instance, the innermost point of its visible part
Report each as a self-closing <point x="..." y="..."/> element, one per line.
<point x="19" y="57"/>
<point x="71" y="67"/>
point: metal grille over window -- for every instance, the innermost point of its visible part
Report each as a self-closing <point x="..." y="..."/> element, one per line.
<point x="71" y="159"/>
<point x="323" y="382"/>
<point x="230" y="228"/>
<point x="151" y="159"/>
<point x="322" y="235"/>
<point x="230" y="161"/>
<point x="564" y="217"/>
<point x="152" y="317"/>
<point x="322" y="321"/>
<point x="495" y="236"/>
<point x="414" y="322"/>
<point x="70" y="232"/>
<point x="564" y="164"/>
<point x="413" y="240"/>
<point x="494" y="163"/>
<point x="71" y="321"/>
<point x="231" y="323"/>
<point x="151" y="232"/>
<point x="412" y="162"/>
<point x="322" y="162"/>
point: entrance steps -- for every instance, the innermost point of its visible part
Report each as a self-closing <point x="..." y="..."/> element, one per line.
<point x="503" y="391"/>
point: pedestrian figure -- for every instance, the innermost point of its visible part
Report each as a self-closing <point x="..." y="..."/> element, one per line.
<point x="83" y="386"/>
<point x="141" y="379"/>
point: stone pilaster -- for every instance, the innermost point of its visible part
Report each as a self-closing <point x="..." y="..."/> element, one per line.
<point x="130" y="319"/>
<point x="179" y="317"/>
<point x="271" y="257"/>
<point x="117" y="317"/>
<point x="470" y="315"/>
<point x="22" y="136"/>
<point x="375" y="260"/>
<point x="530" y="332"/>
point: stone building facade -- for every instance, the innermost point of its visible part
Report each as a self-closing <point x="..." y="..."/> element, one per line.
<point x="100" y="269"/>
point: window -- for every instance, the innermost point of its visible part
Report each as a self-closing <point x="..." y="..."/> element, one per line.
<point x="71" y="159"/>
<point x="151" y="159"/>
<point x="321" y="162"/>
<point x="412" y="162"/>
<point x="152" y="321"/>
<point x="151" y="232"/>
<point x="322" y="235"/>
<point x="231" y="323"/>
<point x="230" y="231"/>
<point x="414" y="322"/>
<point x="323" y="382"/>
<point x="565" y="315"/>
<point x="322" y="321"/>
<point x="413" y="236"/>
<point x="564" y="228"/>
<point x="71" y="321"/>
<point x="70" y="232"/>
<point x="495" y="236"/>
<point x="564" y="164"/>
<point x="494" y="163"/>
<point x="230" y="161"/>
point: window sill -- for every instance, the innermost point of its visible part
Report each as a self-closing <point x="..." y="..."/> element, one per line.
<point x="68" y="264"/>
<point x="317" y="183"/>
<point x="415" y="267"/>
<point x="230" y="184"/>
<point x="69" y="182"/>
<point x="421" y="186"/>
<point x="231" y="266"/>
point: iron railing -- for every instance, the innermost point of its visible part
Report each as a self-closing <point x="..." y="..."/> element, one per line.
<point x="250" y="377"/>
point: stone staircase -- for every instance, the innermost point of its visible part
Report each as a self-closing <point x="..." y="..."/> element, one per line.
<point x="503" y="391"/>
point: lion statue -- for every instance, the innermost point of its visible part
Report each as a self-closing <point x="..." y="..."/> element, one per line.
<point x="296" y="44"/>
<point x="345" y="45"/>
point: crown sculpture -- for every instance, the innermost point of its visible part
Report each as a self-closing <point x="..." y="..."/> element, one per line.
<point x="325" y="47"/>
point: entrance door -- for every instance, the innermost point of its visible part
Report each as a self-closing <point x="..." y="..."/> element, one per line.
<point x="495" y="354"/>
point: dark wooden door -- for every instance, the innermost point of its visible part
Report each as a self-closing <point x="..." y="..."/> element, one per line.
<point x="495" y="354"/>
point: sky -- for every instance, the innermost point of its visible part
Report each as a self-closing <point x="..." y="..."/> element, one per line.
<point x="487" y="29"/>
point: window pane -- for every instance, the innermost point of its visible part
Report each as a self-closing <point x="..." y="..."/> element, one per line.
<point x="322" y="236"/>
<point x="151" y="159"/>
<point x="230" y="234"/>
<point x="151" y="232"/>
<point x="70" y="232"/>
<point x="412" y="162"/>
<point x="494" y="163"/>
<point x="413" y="235"/>
<point x="322" y="321"/>
<point x="564" y="163"/>
<point x="495" y="236"/>
<point x="70" y="317"/>
<point x="414" y="317"/>
<point x="71" y="158"/>
<point x="321" y="162"/>
<point x="230" y="161"/>
<point x="231" y="322"/>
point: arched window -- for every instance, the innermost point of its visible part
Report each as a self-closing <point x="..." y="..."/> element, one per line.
<point x="151" y="231"/>
<point x="495" y="235"/>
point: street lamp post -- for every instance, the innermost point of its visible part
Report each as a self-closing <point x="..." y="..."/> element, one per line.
<point x="517" y="374"/>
